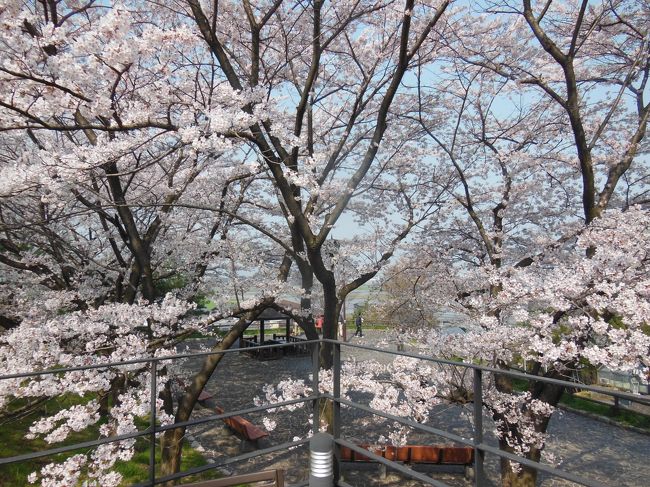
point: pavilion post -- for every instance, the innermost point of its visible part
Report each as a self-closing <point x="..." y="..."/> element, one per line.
<point x="261" y="332"/>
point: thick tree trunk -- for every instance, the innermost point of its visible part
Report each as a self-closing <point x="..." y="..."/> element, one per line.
<point x="330" y="310"/>
<point x="522" y="477"/>
<point x="307" y="283"/>
<point x="171" y="446"/>
<point x="519" y="475"/>
<point x="172" y="441"/>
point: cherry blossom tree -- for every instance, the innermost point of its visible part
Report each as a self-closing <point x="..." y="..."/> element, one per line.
<point x="547" y="132"/>
<point x="105" y="141"/>
<point x="194" y="146"/>
<point x="129" y="169"/>
<point x="342" y="65"/>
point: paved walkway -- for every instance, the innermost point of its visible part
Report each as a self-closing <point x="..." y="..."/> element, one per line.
<point x="585" y="446"/>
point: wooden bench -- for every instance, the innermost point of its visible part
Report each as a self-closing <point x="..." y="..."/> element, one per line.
<point x="271" y="478"/>
<point x="416" y="454"/>
<point x="241" y="426"/>
<point x="244" y="428"/>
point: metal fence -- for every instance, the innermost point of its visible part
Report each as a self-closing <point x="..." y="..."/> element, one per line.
<point x="477" y="442"/>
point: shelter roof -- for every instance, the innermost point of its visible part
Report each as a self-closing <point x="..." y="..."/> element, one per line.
<point x="273" y="314"/>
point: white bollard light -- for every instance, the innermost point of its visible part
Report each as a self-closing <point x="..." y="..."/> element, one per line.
<point x="321" y="464"/>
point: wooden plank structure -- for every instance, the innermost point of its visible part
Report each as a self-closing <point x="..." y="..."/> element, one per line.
<point x="271" y="478"/>
<point x="462" y="456"/>
<point x="414" y="454"/>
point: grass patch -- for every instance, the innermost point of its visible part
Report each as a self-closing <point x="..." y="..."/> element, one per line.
<point x="137" y="469"/>
<point x="197" y="335"/>
<point x="374" y="327"/>
<point x="205" y="303"/>
<point x="351" y="326"/>
<point x="519" y="385"/>
<point x="623" y="416"/>
<point x="13" y="442"/>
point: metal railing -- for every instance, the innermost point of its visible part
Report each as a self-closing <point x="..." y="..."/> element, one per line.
<point x="477" y="442"/>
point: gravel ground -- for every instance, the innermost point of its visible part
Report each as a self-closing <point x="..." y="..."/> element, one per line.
<point x="585" y="446"/>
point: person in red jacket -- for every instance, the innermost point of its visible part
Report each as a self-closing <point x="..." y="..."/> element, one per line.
<point x="319" y="324"/>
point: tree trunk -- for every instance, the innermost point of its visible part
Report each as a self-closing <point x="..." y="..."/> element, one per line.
<point x="511" y="475"/>
<point x="307" y="282"/>
<point x="331" y="309"/>
<point x="171" y="442"/>
<point x="171" y="446"/>
<point x="326" y="415"/>
<point x="519" y="477"/>
<point x="330" y="323"/>
<point x="524" y="478"/>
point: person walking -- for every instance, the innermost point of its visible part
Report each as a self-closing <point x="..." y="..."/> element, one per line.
<point x="358" y="321"/>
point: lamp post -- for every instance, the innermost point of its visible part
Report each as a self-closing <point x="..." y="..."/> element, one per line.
<point x="321" y="460"/>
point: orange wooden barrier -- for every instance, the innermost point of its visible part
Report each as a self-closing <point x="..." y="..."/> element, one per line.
<point x="442" y="455"/>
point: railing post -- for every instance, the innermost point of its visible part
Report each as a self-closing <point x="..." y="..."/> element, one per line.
<point x="478" y="428"/>
<point x="616" y="408"/>
<point x="152" y="423"/>
<point x="315" y="358"/>
<point x="336" y="411"/>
